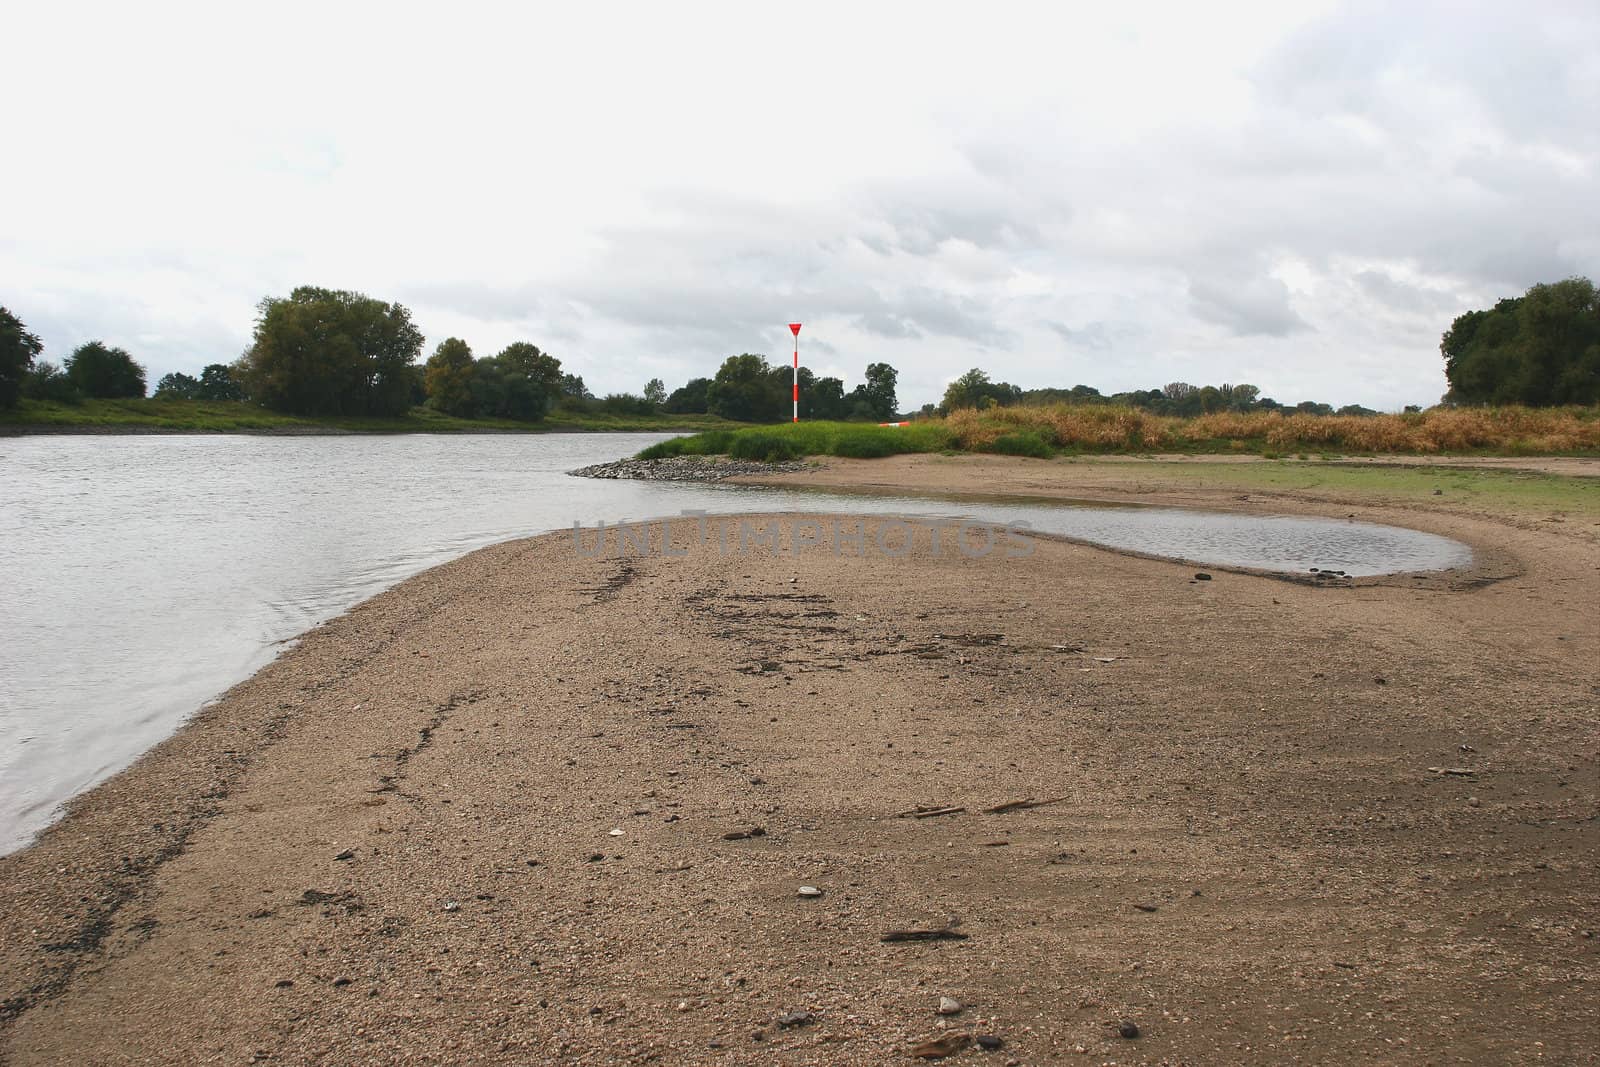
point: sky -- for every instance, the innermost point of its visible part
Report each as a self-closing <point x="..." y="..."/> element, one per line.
<point x="1298" y="196"/>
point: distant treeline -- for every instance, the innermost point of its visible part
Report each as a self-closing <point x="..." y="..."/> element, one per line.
<point x="329" y="352"/>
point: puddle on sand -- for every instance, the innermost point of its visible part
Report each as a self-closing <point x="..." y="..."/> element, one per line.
<point x="1290" y="544"/>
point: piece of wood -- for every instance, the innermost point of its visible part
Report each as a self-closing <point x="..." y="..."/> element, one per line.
<point x="929" y="813"/>
<point x="942" y="934"/>
<point x="1019" y="805"/>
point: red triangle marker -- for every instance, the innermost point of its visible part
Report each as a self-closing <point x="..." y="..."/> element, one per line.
<point x="794" y="328"/>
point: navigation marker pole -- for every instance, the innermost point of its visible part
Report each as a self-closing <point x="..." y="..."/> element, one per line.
<point x="794" y="328"/>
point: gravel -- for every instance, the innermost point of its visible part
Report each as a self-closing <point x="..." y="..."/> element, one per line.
<point x="686" y="469"/>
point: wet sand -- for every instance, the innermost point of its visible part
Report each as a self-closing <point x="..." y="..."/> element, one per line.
<point x="1288" y="823"/>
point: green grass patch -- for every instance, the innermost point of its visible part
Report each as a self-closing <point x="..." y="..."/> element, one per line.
<point x="1022" y="444"/>
<point x="852" y="439"/>
<point x="201" y="416"/>
<point x="1505" y="492"/>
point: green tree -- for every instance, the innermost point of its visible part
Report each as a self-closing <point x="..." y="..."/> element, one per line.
<point x="879" y="390"/>
<point x="823" y="399"/>
<point x="744" y="390"/>
<point x="690" y="398"/>
<point x="101" y="372"/>
<point x="574" y="395"/>
<point x="332" y="352"/>
<point x="655" y="393"/>
<point x="48" y="382"/>
<point x="18" y="348"/>
<point x="218" y="383"/>
<point x="974" y="390"/>
<point x="533" y="380"/>
<point x="448" y="378"/>
<point x="177" y="386"/>
<point x="1539" y="349"/>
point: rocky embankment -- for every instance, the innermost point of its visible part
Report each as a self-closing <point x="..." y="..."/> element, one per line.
<point x="685" y="469"/>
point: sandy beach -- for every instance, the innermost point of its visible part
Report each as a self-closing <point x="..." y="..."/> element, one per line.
<point x="535" y="806"/>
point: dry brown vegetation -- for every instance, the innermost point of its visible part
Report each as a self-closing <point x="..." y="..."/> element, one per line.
<point x="1106" y="428"/>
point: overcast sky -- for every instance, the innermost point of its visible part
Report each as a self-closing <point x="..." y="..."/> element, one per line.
<point x="1302" y="199"/>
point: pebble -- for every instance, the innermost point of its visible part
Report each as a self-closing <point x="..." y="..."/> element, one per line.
<point x="684" y="469"/>
<point x="989" y="1043"/>
<point x="810" y="891"/>
<point x="616" y="833"/>
<point x="451" y="905"/>
<point x="949" y="1005"/>
<point x="1128" y="1030"/>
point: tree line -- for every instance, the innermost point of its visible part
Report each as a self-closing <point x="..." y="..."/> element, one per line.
<point x="335" y="352"/>
<point x="975" y="389"/>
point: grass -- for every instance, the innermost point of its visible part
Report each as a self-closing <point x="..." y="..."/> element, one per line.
<point x="200" y="416"/>
<point x="1514" y="492"/>
<point x="1050" y="430"/>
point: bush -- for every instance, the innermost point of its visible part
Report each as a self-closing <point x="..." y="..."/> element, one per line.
<point x="767" y="447"/>
<point x="866" y="444"/>
<point x="1021" y="444"/>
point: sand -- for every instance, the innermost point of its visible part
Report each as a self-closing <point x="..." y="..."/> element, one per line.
<point x="397" y="842"/>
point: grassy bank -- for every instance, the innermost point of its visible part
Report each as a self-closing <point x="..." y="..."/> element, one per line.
<point x="1511" y="493"/>
<point x="1062" y="429"/>
<point x="200" y="416"/>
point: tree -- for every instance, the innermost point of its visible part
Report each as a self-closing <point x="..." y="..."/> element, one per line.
<point x="1541" y="348"/>
<point x="879" y="390"/>
<point x="218" y="383"/>
<point x="18" y="348"/>
<point x="690" y="398"/>
<point x="528" y="382"/>
<point x="574" y="395"/>
<point x="177" y="386"/>
<point x="48" y="382"/>
<point x="823" y="400"/>
<point x="98" y="371"/>
<point x="448" y="378"/>
<point x="743" y="390"/>
<point x="655" y="393"/>
<point x="332" y="352"/>
<point x="966" y="391"/>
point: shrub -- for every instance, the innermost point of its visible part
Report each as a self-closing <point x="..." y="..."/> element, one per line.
<point x="864" y="443"/>
<point x="767" y="447"/>
<point x="1021" y="444"/>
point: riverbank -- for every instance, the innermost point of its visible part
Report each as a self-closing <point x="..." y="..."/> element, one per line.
<point x="1284" y="822"/>
<point x="148" y="416"/>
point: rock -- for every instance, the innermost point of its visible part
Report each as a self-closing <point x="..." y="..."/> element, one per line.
<point x="949" y="1005"/>
<point x="810" y="891"/>
<point x="989" y="1043"/>
<point x="796" y="1018"/>
<point x="939" y="1047"/>
<point x="1474" y="802"/>
<point x="683" y="1005"/>
<point x="615" y="833"/>
<point x="347" y="854"/>
<point x="1202" y="576"/>
<point x="1129" y="1030"/>
<point x="451" y="905"/>
<point x="684" y="469"/>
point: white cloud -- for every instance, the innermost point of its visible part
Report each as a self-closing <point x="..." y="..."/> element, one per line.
<point x="1120" y="197"/>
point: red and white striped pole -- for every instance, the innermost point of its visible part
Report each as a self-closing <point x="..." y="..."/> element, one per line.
<point x="794" y="328"/>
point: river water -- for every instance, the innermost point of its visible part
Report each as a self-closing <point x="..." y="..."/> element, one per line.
<point x="142" y="576"/>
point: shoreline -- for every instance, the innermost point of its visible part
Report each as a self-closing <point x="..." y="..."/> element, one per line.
<point x="518" y="704"/>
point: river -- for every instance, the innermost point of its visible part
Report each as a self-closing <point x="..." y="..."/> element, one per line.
<point x="142" y="576"/>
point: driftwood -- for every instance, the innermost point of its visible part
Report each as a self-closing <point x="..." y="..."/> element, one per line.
<point x="1019" y="805"/>
<point x="929" y="812"/>
<point x="941" y="934"/>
